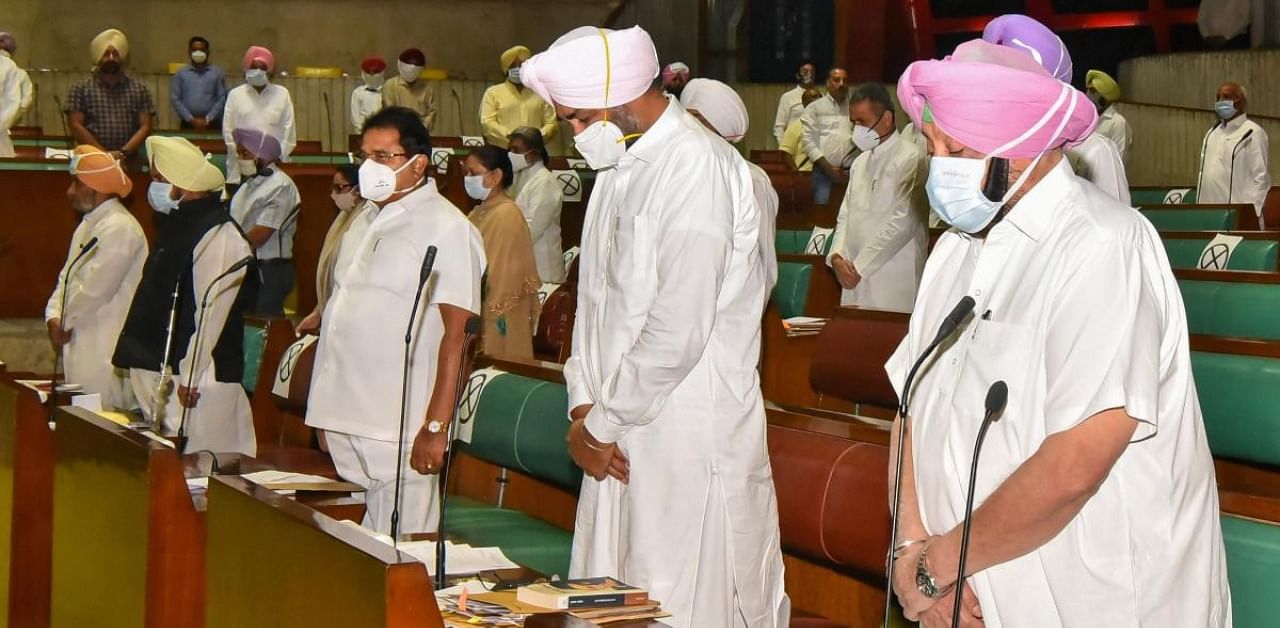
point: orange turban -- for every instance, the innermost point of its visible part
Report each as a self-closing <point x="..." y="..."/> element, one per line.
<point x="99" y="171"/>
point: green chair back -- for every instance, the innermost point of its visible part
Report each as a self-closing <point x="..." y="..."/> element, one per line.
<point x="255" y="338"/>
<point x="1157" y="196"/>
<point x="1241" y="411"/>
<point x="1221" y="308"/>
<point x="1259" y="255"/>
<point x="1253" y="567"/>
<point x="791" y="293"/>
<point x="521" y="423"/>
<point x="1208" y="219"/>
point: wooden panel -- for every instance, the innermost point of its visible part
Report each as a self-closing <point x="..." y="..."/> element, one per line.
<point x="784" y="371"/>
<point x="824" y="591"/>
<point x="1233" y="276"/>
<point x="27" y="444"/>
<point x="274" y="562"/>
<point x="824" y="290"/>
<point x="481" y="480"/>
<point x="129" y="545"/>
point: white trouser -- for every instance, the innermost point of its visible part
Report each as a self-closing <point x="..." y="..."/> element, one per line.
<point x="372" y="464"/>
<point x="222" y="420"/>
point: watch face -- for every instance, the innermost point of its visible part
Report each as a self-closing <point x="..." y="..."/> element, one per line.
<point x="435" y="427"/>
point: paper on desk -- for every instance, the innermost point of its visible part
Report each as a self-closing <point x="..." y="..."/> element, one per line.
<point x="287" y="482"/>
<point x="459" y="558"/>
<point x="198" y="484"/>
<point x="41" y="387"/>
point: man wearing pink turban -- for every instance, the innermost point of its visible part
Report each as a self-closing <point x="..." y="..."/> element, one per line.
<point x="266" y="207"/>
<point x="1097" y="502"/>
<point x="668" y="419"/>
<point x="258" y="104"/>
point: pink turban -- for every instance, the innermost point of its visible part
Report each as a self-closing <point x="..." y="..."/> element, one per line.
<point x="673" y="69"/>
<point x="263" y="145"/>
<point x="574" y="72"/>
<point x="258" y="53"/>
<point x="996" y="101"/>
<point x="1026" y="34"/>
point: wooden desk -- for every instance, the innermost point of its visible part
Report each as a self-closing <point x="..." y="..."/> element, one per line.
<point x="26" y="505"/>
<point x="129" y="549"/>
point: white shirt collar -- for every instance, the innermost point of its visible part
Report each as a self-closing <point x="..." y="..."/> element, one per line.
<point x="1231" y="126"/>
<point x="97" y="213"/>
<point x="1035" y="213"/>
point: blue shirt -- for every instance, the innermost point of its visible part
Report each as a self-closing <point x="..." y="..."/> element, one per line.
<point x="198" y="93"/>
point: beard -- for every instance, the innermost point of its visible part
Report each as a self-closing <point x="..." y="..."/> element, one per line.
<point x="109" y="67"/>
<point x="624" y="119"/>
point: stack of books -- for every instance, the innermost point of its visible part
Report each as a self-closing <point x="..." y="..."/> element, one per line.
<point x="797" y="326"/>
<point x="601" y="601"/>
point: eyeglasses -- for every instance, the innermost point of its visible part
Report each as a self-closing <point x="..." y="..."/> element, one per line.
<point x="379" y="156"/>
<point x="339" y="189"/>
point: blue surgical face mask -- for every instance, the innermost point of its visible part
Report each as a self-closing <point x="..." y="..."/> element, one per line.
<point x="159" y="196"/>
<point x="474" y="185"/>
<point x="1226" y="109"/>
<point x="955" y="191"/>
<point x="256" y="77"/>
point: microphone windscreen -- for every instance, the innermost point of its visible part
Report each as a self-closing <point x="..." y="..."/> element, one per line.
<point x="997" y="397"/>
<point x="428" y="261"/>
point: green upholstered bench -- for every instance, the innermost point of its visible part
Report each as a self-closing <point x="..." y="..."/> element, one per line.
<point x="519" y="423"/>
<point x="1223" y="308"/>
<point x="1159" y="196"/>
<point x="1207" y="219"/>
<point x="1259" y="255"/>
<point x="791" y="293"/>
<point x="794" y="241"/>
<point x="255" y="339"/>
<point x="1241" y="419"/>
<point x="1253" y="565"/>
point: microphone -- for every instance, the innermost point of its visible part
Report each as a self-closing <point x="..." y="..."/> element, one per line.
<point x="428" y="261"/>
<point x="62" y="311"/>
<point x="165" y="382"/>
<point x="997" y="396"/>
<point x="63" y="117"/>
<point x="195" y="353"/>
<point x="472" y="332"/>
<point x="1231" y="178"/>
<point x="458" y="99"/>
<point x="949" y="325"/>
<point x="328" y="116"/>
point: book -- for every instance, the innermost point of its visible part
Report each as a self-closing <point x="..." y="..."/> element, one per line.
<point x="582" y="593"/>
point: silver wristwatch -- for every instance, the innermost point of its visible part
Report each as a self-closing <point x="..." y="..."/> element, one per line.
<point x="924" y="580"/>
<point x="435" y="427"/>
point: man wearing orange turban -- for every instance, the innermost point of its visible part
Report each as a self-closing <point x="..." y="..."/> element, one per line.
<point x="91" y="298"/>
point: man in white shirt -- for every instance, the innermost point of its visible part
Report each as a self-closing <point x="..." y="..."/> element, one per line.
<point x="668" y="420"/>
<point x="1096" y="496"/>
<point x="16" y="94"/>
<point x="355" y="386"/>
<point x="258" y="104"/>
<point x="366" y="98"/>
<point x="827" y="135"/>
<point x="95" y="286"/>
<point x="880" y="237"/>
<point x="540" y="197"/>
<point x="789" y="104"/>
<point x="186" y="324"/>
<point x="1234" y="161"/>
<point x="266" y="207"/>
<point x="1104" y="92"/>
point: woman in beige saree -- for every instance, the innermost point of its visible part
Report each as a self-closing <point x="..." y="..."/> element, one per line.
<point x="510" y="305"/>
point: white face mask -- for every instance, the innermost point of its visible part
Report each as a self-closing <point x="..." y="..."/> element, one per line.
<point x="519" y="161"/>
<point x="408" y="71"/>
<point x="346" y="201"/>
<point x="159" y="195"/>
<point x="513" y="75"/>
<point x="378" y="181"/>
<point x="256" y="77"/>
<point x="247" y="167"/>
<point x="474" y="184"/>
<point x="372" y="81"/>
<point x="199" y="56"/>
<point x="864" y="138"/>
<point x="601" y="145"/>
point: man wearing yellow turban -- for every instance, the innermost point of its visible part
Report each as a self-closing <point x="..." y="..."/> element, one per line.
<point x="1105" y="92"/>
<point x="197" y="336"/>
<point x="110" y="110"/>
<point x="508" y="105"/>
<point x="104" y="263"/>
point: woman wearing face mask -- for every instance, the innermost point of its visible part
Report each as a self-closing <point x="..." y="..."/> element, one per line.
<point x="510" y="307"/>
<point x="346" y="197"/>
<point x="259" y="104"/>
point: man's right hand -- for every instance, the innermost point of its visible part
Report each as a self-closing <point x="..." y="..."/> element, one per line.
<point x="845" y="273"/>
<point x="200" y="123"/>
<point x="309" y="325"/>
<point x="57" y="335"/>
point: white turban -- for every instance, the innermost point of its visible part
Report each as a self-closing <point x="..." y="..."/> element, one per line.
<point x="574" y="72"/>
<point x="110" y="38"/>
<point x="183" y="164"/>
<point x="719" y="105"/>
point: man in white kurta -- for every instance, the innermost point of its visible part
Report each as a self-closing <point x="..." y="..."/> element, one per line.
<point x="356" y="384"/>
<point x="880" y="239"/>
<point x="264" y="106"/>
<point x="669" y="421"/>
<point x="98" y="288"/>
<point x="790" y="104"/>
<point x="1105" y="92"/>
<point x="1235" y="164"/>
<point x="366" y="98"/>
<point x="11" y="94"/>
<point x="540" y="197"/>
<point x="1096" y="499"/>
<point x="1098" y="161"/>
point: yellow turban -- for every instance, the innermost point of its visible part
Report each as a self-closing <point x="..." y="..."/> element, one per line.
<point x="514" y="54"/>
<point x="110" y="38"/>
<point x="1102" y="83"/>
<point x="100" y="171"/>
<point x="183" y="164"/>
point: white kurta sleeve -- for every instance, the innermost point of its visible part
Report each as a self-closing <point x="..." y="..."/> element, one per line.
<point x="811" y="134"/>
<point x="28" y="92"/>
<point x="781" y="118"/>
<point x="102" y="272"/>
<point x="357" y="109"/>
<point x="903" y="224"/>
<point x="692" y="243"/>
<point x="52" y="309"/>
<point x="214" y="254"/>
<point x="460" y="263"/>
<point x="11" y="98"/>
<point x="1259" y="182"/>
<point x="1102" y="343"/>
<point x="842" y="220"/>
<point x="289" y="127"/>
<point x="544" y="200"/>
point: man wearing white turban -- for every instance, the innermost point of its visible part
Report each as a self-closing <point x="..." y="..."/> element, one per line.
<point x="668" y="419"/>
<point x="721" y="110"/>
<point x="1097" y="504"/>
<point x="194" y="248"/>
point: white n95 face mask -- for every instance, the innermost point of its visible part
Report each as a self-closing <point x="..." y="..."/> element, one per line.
<point x="159" y="196"/>
<point x="602" y="145"/>
<point x="864" y="138"/>
<point x="199" y="56"/>
<point x="256" y="77"/>
<point x="378" y="181"/>
<point x="247" y="167"/>
<point x="408" y="71"/>
<point x="474" y="184"/>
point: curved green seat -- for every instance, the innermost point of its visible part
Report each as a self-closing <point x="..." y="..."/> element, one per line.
<point x="1241" y="416"/>
<point x="794" y="241"/>
<point x="791" y="293"/>
<point x="1260" y="255"/>
<point x="1156" y="196"/>
<point x="1253" y="566"/>
<point x="1243" y="310"/>
<point x="530" y="542"/>
<point x="1207" y="219"/>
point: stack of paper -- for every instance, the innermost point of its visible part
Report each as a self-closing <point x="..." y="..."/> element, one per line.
<point x="288" y="483"/>
<point x="460" y="558"/>
<point x="803" y="326"/>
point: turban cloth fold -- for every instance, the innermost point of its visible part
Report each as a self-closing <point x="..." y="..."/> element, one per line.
<point x="183" y="164"/>
<point x="100" y="171"/>
<point x="719" y="105"/>
<point x="110" y="38"/>
<point x="263" y="145"/>
<point x="1030" y="36"/>
<point x="593" y="68"/>
<point x="513" y="55"/>
<point x="1103" y="84"/>
<point x="258" y="53"/>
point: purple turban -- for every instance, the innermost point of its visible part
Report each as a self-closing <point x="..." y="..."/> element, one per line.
<point x="263" y="145"/>
<point x="1026" y="34"/>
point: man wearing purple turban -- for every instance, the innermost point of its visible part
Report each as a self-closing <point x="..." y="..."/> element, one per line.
<point x="266" y="208"/>
<point x="1096" y="493"/>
